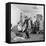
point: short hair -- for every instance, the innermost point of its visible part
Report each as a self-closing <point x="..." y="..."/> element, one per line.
<point x="39" y="15"/>
<point x="26" y="17"/>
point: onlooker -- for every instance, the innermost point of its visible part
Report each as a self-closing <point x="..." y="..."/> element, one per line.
<point x="36" y="24"/>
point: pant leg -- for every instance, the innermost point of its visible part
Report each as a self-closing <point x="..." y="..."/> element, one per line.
<point x="34" y="30"/>
<point x="27" y="34"/>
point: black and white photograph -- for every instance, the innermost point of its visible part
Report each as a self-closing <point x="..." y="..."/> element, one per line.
<point x="27" y="23"/>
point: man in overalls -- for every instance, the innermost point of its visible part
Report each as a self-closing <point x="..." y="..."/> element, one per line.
<point x="26" y="22"/>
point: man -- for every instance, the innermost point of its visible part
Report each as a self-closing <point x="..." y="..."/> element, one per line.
<point x="36" y="28"/>
<point x="26" y="22"/>
<point x="31" y="24"/>
<point x="36" y="25"/>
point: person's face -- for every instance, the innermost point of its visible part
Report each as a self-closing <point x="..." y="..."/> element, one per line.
<point x="38" y="19"/>
<point x="26" y="18"/>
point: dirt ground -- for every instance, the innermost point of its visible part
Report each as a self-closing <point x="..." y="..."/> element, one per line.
<point x="33" y="37"/>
